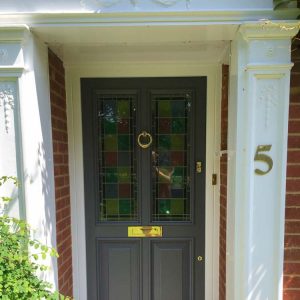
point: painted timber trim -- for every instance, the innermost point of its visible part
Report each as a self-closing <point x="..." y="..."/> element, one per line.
<point x="144" y="18"/>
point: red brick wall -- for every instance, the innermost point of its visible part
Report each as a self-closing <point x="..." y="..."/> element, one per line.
<point x="292" y="211"/>
<point x="61" y="173"/>
<point x="223" y="184"/>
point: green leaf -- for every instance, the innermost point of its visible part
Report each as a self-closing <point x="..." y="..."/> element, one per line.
<point x="6" y="199"/>
<point x="18" y="278"/>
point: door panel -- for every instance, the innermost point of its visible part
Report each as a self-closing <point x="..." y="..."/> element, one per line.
<point x="141" y="141"/>
<point x="119" y="268"/>
<point x="171" y="266"/>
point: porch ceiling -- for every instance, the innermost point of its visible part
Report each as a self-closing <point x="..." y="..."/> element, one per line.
<point x="204" y="43"/>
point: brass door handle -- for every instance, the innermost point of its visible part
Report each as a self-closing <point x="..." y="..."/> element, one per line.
<point x="144" y="135"/>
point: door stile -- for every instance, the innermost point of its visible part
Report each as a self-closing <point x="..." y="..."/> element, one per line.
<point x="88" y="134"/>
<point x="146" y="194"/>
<point x="146" y="158"/>
<point x="199" y="183"/>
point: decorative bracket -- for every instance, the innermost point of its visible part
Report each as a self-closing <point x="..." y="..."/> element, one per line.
<point x="7" y="102"/>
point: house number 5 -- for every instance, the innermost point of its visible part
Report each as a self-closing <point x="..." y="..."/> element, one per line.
<point x="260" y="156"/>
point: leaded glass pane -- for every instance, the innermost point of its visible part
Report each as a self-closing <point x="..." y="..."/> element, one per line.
<point x="171" y="157"/>
<point x="117" y="168"/>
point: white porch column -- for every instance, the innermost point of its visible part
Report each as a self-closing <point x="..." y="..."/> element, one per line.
<point x="258" y="127"/>
<point x="11" y="69"/>
<point x="25" y="134"/>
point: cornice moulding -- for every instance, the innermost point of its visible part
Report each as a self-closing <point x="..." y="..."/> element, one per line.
<point x="136" y="18"/>
<point x="269" y="67"/>
<point x="11" y="72"/>
<point x="267" y="29"/>
<point x="12" y="33"/>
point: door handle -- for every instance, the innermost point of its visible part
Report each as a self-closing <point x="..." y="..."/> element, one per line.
<point x="144" y="135"/>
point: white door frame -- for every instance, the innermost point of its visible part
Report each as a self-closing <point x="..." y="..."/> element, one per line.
<point x="159" y="69"/>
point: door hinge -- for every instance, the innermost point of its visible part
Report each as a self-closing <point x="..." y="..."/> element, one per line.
<point x="214" y="179"/>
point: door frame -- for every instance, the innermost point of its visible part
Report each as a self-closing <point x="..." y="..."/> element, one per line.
<point x="159" y="69"/>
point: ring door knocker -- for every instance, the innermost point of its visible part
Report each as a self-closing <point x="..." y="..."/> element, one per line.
<point x="142" y="137"/>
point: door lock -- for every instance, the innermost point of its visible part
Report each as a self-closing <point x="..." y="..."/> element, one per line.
<point x="198" y="166"/>
<point x="199" y="258"/>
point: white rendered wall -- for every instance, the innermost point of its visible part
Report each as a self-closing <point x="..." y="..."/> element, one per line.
<point x="33" y="6"/>
<point x="24" y="76"/>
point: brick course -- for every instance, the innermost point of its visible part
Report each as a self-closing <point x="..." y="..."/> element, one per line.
<point x="223" y="184"/>
<point x="291" y="281"/>
<point x="61" y="173"/>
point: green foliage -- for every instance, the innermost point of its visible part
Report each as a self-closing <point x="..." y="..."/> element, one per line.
<point x="19" y="255"/>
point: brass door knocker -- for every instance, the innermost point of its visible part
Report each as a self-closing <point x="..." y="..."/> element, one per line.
<point x="145" y="136"/>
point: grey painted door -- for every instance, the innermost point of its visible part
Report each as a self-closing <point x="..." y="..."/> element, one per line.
<point x="142" y="139"/>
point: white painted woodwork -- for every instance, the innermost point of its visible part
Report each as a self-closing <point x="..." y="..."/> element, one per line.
<point x="258" y="115"/>
<point x="11" y="66"/>
<point x="25" y="133"/>
<point x="9" y="150"/>
<point x="101" y="6"/>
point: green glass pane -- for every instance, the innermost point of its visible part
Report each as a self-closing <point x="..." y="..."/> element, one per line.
<point x="178" y="171"/>
<point x="112" y="207"/>
<point x="111" y="175"/>
<point x="178" y="125"/>
<point x="177" y="206"/>
<point x="124" y="175"/>
<point x="164" y="142"/>
<point x="110" y="143"/>
<point x="123" y="142"/>
<point x="123" y="108"/>
<point x="125" y="206"/>
<point x="164" y="207"/>
<point x="164" y="108"/>
<point x="110" y="127"/>
<point x="178" y="178"/>
<point x="177" y="142"/>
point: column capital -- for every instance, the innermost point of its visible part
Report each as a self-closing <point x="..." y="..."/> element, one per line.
<point x="13" y="33"/>
<point x="11" y="51"/>
<point x="269" y="30"/>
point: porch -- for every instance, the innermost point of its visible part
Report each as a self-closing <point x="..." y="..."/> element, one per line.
<point x="239" y="263"/>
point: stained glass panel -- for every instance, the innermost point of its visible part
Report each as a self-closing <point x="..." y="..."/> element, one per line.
<point x="171" y="157"/>
<point x="117" y="128"/>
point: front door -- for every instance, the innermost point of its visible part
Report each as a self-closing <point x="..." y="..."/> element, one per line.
<point x="144" y="166"/>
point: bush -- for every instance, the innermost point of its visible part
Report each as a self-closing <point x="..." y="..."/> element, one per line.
<point x="19" y="255"/>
